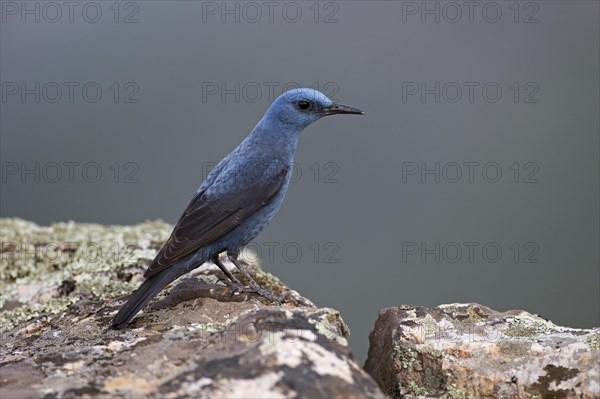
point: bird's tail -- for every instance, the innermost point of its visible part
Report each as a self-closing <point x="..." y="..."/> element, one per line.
<point x="148" y="290"/>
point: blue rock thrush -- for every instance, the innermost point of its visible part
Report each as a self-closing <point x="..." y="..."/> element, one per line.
<point x="237" y="200"/>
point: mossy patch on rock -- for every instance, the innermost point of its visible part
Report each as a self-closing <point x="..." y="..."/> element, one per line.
<point x="37" y="260"/>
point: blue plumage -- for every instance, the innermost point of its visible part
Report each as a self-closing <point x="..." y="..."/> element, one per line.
<point x="237" y="200"/>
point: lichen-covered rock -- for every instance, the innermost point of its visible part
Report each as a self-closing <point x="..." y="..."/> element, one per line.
<point x="45" y="269"/>
<point x="195" y="340"/>
<point x="471" y="351"/>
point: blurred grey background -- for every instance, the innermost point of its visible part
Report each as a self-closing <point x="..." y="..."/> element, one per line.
<point x="383" y="210"/>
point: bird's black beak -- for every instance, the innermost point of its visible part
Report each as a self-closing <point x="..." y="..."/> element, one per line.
<point x="341" y="109"/>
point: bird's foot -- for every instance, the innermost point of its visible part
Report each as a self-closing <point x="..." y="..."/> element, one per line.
<point x="237" y="286"/>
<point x="265" y="293"/>
<point x="233" y="286"/>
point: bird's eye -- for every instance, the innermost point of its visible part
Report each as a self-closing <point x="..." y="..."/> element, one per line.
<point x="304" y="105"/>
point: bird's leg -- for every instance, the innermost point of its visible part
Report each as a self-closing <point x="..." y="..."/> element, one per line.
<point x="254" y="287"/>
<point x="215" y="259"/>
<point x="233" y="283"/>
<point x="236" y="285"/>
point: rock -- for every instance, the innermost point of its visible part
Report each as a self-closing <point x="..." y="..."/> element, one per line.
<point x="62" y="284"/>
<point x="471" y="351"/>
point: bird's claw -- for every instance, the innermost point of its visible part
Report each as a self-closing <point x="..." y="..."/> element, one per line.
<point x="223" y="280"/>
<point x="237" y="287"/>
<point x="232" y="286"/>
<point x="265" y="293"/>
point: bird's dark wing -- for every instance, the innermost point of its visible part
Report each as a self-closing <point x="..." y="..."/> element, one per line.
<point x="208" y="218"/>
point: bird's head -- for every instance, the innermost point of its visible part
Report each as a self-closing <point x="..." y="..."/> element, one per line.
<point x="301" y="107"/>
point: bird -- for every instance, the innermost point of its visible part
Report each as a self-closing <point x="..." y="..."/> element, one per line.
<point x="237" y="200"/>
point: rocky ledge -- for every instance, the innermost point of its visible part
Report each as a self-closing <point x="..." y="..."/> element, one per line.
<point x="62" y="284"/>
<point x="471" y="351"/>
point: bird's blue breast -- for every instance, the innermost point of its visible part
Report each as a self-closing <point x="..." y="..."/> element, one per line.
<point x="248" y="230"/>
